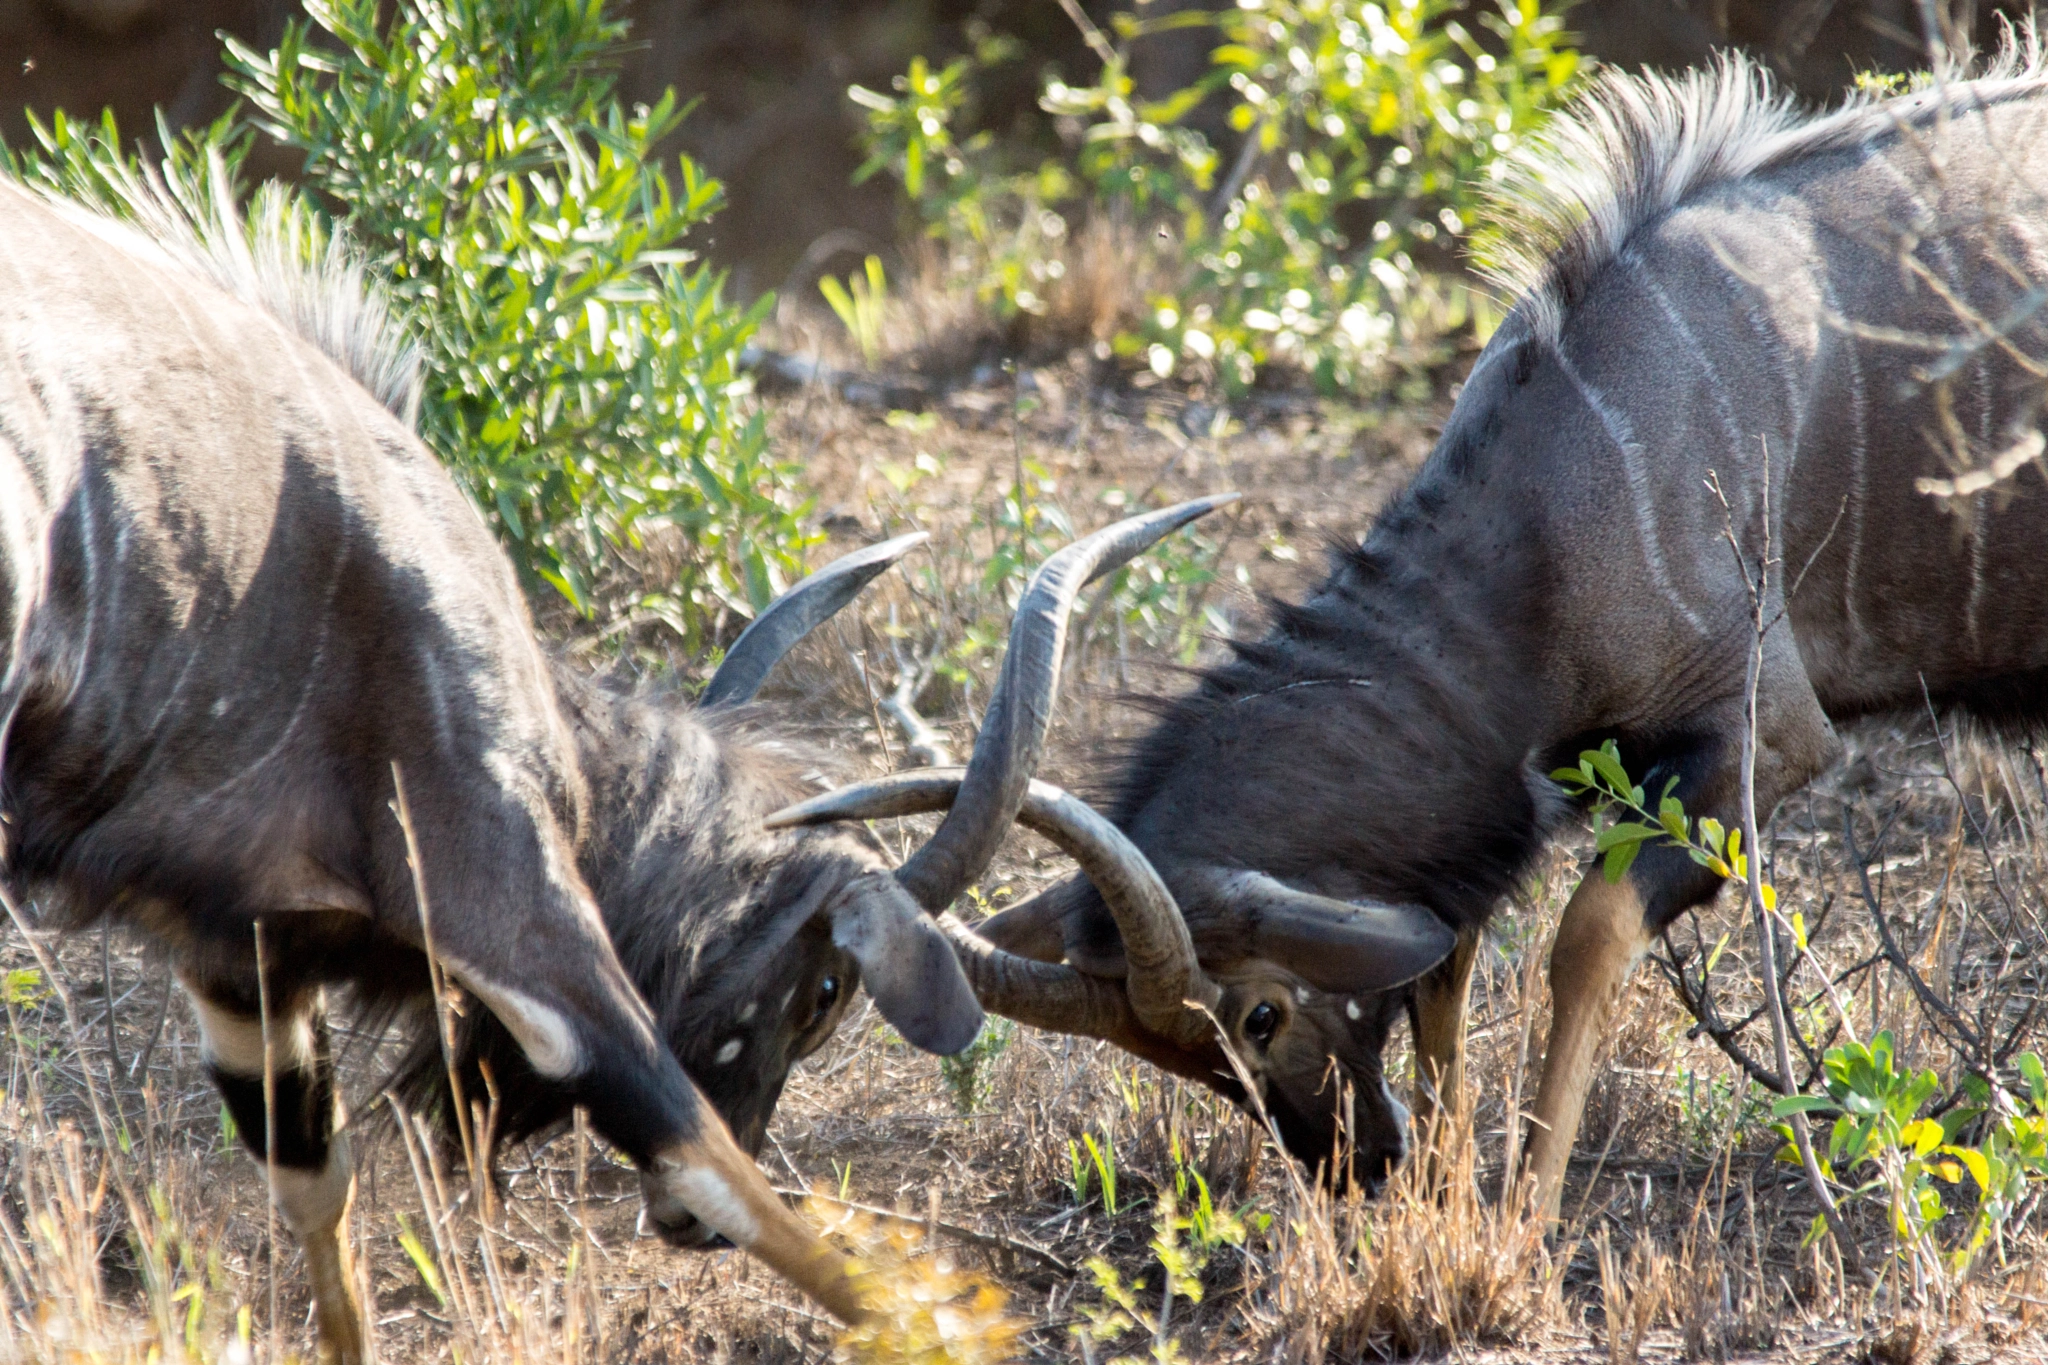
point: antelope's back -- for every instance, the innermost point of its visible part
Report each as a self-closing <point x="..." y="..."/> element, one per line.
<point x="1858" y="314"/>
<point x="235" y="586"/>
<point x="1927" y="342"/>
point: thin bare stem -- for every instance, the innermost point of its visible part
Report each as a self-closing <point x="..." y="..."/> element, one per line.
<point x="443" y="1016"/>
<point x="269" y="1132"/>
<point x="1757" y="579"/>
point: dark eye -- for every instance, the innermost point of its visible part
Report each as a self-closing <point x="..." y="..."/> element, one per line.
<point x="1262" y="1023"/>
<point x="828" y="996"/>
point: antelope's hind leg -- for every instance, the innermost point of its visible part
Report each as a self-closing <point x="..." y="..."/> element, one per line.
<point x="314" y="1180"/>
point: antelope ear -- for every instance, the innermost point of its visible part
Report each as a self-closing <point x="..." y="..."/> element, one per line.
<point x="1350" y="947"/>
<point x="908" y="966"/>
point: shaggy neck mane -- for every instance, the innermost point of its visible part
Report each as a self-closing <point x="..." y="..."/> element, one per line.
<point x="1398" y="658"/>
<point x="1633" y="148"/>
<point x="678" y="797"/>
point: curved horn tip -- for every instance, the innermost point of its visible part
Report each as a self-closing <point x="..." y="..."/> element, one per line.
<point x="807" y="604"/>
<point x="906" y="793"/>
<point x="883" y="551"/>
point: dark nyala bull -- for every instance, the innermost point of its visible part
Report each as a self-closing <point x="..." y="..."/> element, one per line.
<point x="242" y="604"/>
<point x="747" y="940"/>
<point x="1827" y="309"/>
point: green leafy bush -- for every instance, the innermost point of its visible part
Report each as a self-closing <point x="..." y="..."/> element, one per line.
<point x="1905" y="1158"/>
<point x="581" y="367"/>
<point x="1371" y="134"/>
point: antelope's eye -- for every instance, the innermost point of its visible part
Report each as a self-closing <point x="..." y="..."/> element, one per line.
<point x="1262" y="1023"/>
<point x="828" y="996"/>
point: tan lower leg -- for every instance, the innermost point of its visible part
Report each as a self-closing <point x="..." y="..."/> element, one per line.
<point x="1598" y="941"/>
<point x="331" y="1267"/>
<point x="315" y="1207"/>
<point x="714" y="1180"/>
<point x="1440" y="999"/>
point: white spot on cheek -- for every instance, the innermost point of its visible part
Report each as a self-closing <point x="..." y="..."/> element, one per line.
<point x="747" y="1010"/>
<point x="728" y="1051"/>
<point x="1352" y="1012"/>
<point x="1300" y="995"/>
<point x="716" y="1204"/>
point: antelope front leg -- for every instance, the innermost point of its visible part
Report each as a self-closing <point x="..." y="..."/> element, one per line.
<point x="1440" y="999"/>
<point x="1598" y="941"/>
<point x="314" y="1178"/>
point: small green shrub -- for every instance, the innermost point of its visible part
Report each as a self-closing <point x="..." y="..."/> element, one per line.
<point x="966" y="1073"/>
<point x="1903" y="1159"/>
<point x="581" y="367"/>
<point x="1372" y="133"/>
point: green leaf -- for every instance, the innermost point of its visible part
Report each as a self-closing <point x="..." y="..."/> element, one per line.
<point x="1974" y="1160"/>
<point x="23" y="986"/>
<point x="1715" y="956"/>
<point x="1606" y="760"/>
<point x="1788" y="1105"/>
<point x="422" y="1260"/>
<point x="1921" y="1136"/>
<point x="1624" y="832"/>
<point x="2032" y="1072"/>
<point x="1620" y="858"/>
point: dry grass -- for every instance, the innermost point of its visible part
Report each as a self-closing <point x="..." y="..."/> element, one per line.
<point x="1434" y="1264"/>
<point x="1683" y="1236"/>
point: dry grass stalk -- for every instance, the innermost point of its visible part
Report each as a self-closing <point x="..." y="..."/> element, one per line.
<point x="1633" y="1294"/>
<point x="1432" y="1266"/>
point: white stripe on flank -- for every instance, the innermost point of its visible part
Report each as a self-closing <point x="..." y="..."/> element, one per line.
<point x="1730" y="426"/>
<point x="1773" y="347"/>
<point x="1980" y="531"/>
<point x="1638" y="478"/>
<point x="1859" y="478"/>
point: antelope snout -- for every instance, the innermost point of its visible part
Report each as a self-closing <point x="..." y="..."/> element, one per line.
<point x="684" y="1230"/>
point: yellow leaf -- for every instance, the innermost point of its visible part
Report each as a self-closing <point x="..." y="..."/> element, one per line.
<point x="1980" y="1167"/>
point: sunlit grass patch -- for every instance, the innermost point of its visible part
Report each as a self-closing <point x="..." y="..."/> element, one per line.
<point x="926" y="1311"/>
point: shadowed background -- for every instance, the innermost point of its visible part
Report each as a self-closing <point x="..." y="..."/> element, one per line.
<point x="773" y="120"/>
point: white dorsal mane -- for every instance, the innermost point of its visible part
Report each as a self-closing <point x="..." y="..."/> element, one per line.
<point x="280" y="259"/>
<point x="1635" y="147"/>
